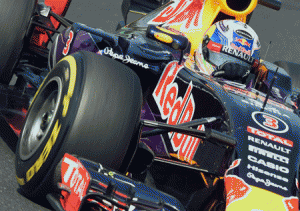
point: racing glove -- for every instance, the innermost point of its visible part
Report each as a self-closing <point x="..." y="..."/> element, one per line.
<point x="232" y="71"/>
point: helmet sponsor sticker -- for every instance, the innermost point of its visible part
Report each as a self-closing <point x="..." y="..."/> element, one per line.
<point x="238" y="54"/>
<point x="269" y="122"/>
<point x="244" y="34"/>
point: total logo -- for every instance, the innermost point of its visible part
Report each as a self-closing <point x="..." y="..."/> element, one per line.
<point x="270" y="122"/>
<point x="75" y="176"/>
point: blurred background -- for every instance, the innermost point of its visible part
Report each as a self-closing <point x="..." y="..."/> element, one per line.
<point x="280" y="27"/>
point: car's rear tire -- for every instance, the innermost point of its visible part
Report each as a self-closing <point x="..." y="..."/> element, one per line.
<point x="14" y="21"/>
<point x="88" y="105"/>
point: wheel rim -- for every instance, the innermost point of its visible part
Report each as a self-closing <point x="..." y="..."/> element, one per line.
<point x="40" y="118"/>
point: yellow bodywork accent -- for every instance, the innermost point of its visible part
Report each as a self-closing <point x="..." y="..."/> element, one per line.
<point x="211" y="9"/>
<point x="163" y="37"/>
<point x="258" y="199"/>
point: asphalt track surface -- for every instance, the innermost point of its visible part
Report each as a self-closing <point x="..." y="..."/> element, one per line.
<point x="282" y="28"/>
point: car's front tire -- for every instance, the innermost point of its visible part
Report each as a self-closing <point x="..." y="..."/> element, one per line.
<point x="88" y="105"/>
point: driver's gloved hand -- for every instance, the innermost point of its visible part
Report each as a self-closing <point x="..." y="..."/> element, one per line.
<point x="232" y="71"/>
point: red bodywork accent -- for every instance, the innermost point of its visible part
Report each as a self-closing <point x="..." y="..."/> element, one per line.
<point x="291" y="203"/>
<point x="235" y="187"/>
<point x="216" y="47"/>
<point x="75" y="176"/>
<point x="60" y="7"/>
<point x="17" y="121"/>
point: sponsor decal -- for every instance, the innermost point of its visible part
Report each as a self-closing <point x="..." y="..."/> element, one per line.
<point x="266" y="182"/>
<point x="268" y="154"/>
<point x="176" y="110"/>
<point x="223" y="27"/>
<point x="68" y="43"/>
<point x="45" y="153"/>
<point x="236" y="188"/>
<point x="270" y="136"/>
<point x="267" y="144"/>
<point x="240" y="48"/>
<point x="216" y="47"/>
<point x="244" y="34"/>
<point x="125" y="59"/>
<point x="238" y="54"/>
<point x="176" y="14"/>
<point x="242" y="41"/>
<point x="268" y="164"/>
<point x="269" y="122"/>
<point x="259" y="104"/>
<point x="267" y="173"/>
<point x="291" y="203"/>
<point x="76" y="177"/>
<point x="253" y="97"/>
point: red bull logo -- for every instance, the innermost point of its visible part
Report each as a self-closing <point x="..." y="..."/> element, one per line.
<point x="291" y="203"/>
<point x="243" y="42"/>
<point x="236" y="188"/>
<point x="177" y="109"/>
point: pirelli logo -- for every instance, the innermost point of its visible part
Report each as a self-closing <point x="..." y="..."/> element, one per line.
<point x="268" y="154"/>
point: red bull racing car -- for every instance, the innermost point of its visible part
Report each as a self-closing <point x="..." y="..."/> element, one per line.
<point x="123" y="122"/>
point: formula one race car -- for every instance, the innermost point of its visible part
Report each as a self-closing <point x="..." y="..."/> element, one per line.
<point x="123" y="122"/>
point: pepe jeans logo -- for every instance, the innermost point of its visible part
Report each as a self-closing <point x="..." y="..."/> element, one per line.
<point x="266" y="182"/>
<point x="125" y="59"/>
<point x="269" y="122"/>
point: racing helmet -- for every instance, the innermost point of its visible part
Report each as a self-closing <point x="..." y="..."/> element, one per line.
<point x="229" y="41"/>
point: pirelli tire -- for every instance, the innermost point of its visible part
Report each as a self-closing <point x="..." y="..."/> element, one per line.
<point x="15" y="19"/>
<point x="88" y="105"/>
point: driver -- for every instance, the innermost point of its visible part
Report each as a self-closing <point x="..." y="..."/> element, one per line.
<point x="230" y="49"/>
